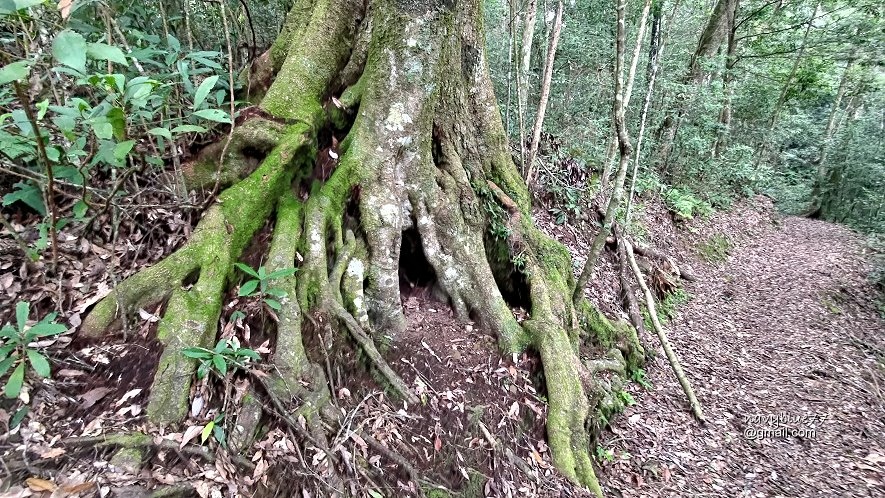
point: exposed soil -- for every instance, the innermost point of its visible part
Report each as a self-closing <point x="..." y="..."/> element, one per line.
<point x="780" y="342"/>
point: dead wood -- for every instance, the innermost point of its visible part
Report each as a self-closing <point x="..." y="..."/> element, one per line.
<point x="662" y="335"/>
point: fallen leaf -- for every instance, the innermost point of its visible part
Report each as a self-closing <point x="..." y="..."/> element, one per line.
<point x="78" y="488"/>
<point x="126" y="397"/>
<point x="190" y="433"/>
<point x="37" y="484"/>
<point x="93" y="397"/>
<point x="52" y="453"/>
<point x="64" y="6"/>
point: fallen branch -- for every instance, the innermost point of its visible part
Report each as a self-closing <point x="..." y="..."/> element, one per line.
<point x="626" y="289"/>
<point x="662" y="336"/>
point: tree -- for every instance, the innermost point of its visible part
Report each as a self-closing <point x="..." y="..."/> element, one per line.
<point x="404" y="89"/>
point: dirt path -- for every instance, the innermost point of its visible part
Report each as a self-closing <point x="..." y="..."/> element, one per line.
<point x="778" y="342"/>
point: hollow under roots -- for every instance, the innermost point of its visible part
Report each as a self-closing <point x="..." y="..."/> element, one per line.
<point x="378" y="123"/>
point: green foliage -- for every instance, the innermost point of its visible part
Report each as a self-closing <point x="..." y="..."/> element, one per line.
<point x="640" y="377"/>
<point x="18" y="348"/>
<point x="715" y="249"/>
<point x="215" y="429"/>
<point x="604" y="454"/>
<point x="259" y="285"/>
<point x="226" y="357"/>
<point x="626" y="398"/>
<point x="685" y="205"/>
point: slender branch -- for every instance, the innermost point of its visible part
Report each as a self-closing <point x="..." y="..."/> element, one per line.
<point x="662" y="335"/>
<point x="50" y="177"/>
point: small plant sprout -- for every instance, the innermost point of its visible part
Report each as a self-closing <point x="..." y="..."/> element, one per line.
<point x="216" y="430"/>
<point x="18" y="347"/>
<point x="226" y="356"/>
<point x="258" y="286"/>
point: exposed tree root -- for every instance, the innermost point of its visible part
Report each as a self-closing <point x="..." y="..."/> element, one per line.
<point x="134" y="440"/>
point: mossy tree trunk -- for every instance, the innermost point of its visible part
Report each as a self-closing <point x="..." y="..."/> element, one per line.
<point x="406" y="89"/>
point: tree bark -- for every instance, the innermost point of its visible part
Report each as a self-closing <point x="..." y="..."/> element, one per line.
<point x="721" y="141"/>
<point x="525" y="64"/>
<point x="640" y="35"/>
<point x="819" y="190"/>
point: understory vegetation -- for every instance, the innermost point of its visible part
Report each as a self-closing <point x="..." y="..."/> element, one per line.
<point x="332" y="230"/>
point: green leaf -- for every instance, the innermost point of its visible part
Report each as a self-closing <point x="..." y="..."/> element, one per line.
<point x="220" y="346"/>
<point x="105" y="52"/>
<point x="247" y="269"/>
<point x="161" y="132"/>
<point x="27" y="193"/>
<point x="189" y="128"/>
<point x="122" y="149"/>
<point x="248" y="353"/>
<point x="207" y="431"/>
<point x="14" y="384"/>
<point x="102" y="129"/>
<point x="375" y="494"/>
<point x="80" y="209"/>
<point x="218" y="433"/>
<point x="220" y="364"/>
<point x="19" y="416"/>
<point x="173" y="43"/>
<point x="273" y="303"/>
<point x="197" y="353"/>
<point x="117" y="118"/>
<point x="216" y="115"/>
<point x="203" y="90"/>
<point x="46" y="329"/>
<point x="18" y="70"/>
<point x="8" y="331"/>
<point x="285" y="272"/>
<point x="22" y="310"/>
<point x="5" y="364"/>
<point x="203" y="370"/>
<point x="248" y="288"/>
<point x="277" y="293"/>
<point x="69" y="48"/>
<point x="39" y="362"/>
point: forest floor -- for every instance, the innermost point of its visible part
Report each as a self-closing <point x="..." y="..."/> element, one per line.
<point x="780" y="331"/>
<point x="780" y="340"/>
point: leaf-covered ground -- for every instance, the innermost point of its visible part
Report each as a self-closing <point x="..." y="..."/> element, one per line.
<point x="781" y="332"/>
<point x="784" y="346"/>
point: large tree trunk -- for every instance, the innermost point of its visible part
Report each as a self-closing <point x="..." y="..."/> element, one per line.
<point x="405" y="88"/>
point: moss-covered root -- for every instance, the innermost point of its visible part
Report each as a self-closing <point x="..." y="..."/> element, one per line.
<point x="250" y="143"/>
<point x="569" y="407"/>
<point x="192" y="314"/>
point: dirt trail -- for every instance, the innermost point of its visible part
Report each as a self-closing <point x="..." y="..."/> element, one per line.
<point x="779" y="342"/>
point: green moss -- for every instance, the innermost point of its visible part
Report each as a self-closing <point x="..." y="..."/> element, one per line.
<point x="715" y="249"/>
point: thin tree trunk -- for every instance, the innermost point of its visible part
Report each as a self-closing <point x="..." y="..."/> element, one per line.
<point x="822" y="173"/>
<point x="624" y="145"/>
<point x="528" y="35"/>
<point x="545" y="95"/>
<point x="662" y="335"/>
<point x="782" y="97"/>
<point x="640" y="35"/>
<point x="727" y="85"/>
<point x="656" y="44"/>
<point x="511" y="34"/>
